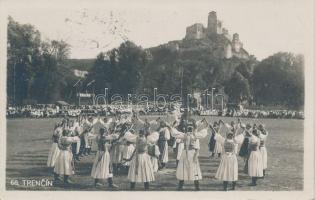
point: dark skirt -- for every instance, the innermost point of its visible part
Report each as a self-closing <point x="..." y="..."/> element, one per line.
<point x="161" y="145"/>
<point x="171" y="141"/>
<point x="82" y="145"/>
<point x="212" y="143"/>
<point x="244" y="152"/>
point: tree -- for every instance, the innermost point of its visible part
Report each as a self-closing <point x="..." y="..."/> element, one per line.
<point x="162" y="64"/>
<point x="279" y="80"/>
<point x="33" y="65"/>
<point x="102" y="73"/>
<point x="237" y="88"/>
<point x="23" y="60"/>
<point x="120" y="70"/>
<point x="246" y="69"/>
<point x="49" y="83"/>
<point x="128" y="64"/>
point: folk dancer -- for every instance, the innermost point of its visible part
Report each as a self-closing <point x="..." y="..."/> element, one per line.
<point x="213" y="147"/>
<point x="117" y="148"/>
<point x="54" y="150"/>
<point x="141" y="169"/>
<point x="245" y="149"/>
<point x="127" y="153"/>
<point x="181" y="125"/>
<point x="262" y="147"/>
<point x="255" y="161"/>
<point x="101" y="167"/>
<point x="178" y="149"/>
<point x="188" y="168"/>
<point x="228" y="168"/>
<point x="153" y="150"/>
<point x="83" y="131"/>
<point x="89" y="126"/>
<point x="233" y="127"/>
<point x="64" y="165"/>
<point x="75" y="130"/>
<point x="164" y="136"/>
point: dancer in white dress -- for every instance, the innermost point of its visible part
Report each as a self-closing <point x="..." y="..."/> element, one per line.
<point x="101" y="168"/>
<point x="228" y="168"/>
<point x="262" y="147"/>
<point x="255" y="161"/>
<point x="64" y="165"/>
<point x="54" y="150"/>
<point x="218" y="148"/>
<point x="141" y="169"/>
<point x="212" y="141"/>
<point x="127" y="153"/>
<point x="188" y="168"/>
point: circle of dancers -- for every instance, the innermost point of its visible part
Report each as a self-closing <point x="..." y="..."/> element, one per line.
<point x="140" y="154"/>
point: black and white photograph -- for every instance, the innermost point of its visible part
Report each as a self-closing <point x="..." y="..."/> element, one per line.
<point x="158" y="96"/>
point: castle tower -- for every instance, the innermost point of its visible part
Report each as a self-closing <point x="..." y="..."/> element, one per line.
<point x="226" y="34"/>
<point x="236" y="43"/>
<point x="212" y="23"/>
<point x="236" y="37"/>
<point x="195" y="31"/>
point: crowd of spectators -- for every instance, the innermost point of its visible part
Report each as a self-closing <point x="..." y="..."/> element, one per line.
<point x="50" y="110"/>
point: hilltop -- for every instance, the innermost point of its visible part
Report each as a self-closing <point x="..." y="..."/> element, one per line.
<point x="209" y="47"/>
<point x="207" y="61"/>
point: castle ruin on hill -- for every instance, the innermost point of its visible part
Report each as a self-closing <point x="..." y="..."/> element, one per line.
<point x="198" y="31"/>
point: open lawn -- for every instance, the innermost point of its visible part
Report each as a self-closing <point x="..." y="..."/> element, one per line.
<point x="29" y="140"/>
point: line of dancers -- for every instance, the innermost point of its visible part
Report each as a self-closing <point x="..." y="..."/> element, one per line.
<point x="139" y="155"/>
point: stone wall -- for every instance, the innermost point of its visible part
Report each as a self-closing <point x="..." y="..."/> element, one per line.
<point x="195" y="31"/>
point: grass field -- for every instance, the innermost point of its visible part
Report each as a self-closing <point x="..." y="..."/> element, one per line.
<point x="28" y="143"/>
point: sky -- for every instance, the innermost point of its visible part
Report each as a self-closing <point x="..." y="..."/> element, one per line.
<point x="265" y="26"/>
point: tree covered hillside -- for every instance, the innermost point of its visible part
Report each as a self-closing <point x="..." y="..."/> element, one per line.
<point x="41" y="71"/>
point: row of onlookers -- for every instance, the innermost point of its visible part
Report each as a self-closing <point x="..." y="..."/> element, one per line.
<point x="287" y="114"/>
<point x="73" y="111"/>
